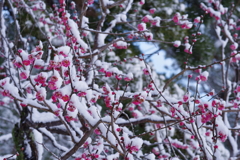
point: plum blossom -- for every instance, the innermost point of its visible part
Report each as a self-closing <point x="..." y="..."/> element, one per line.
<point x="197" y="19"/>
<point x="26" y="62"/>
<point x="137" y="99"/>
<point x="234" y="46"/>
<point x="24" y="75"/>
<point x="97" y="131"/>
<point x="145" y="71"/>
<point x="156" y="21"/>
<point x="176" y="43"/>
<point x="142" y="2"/>
<point x="148" y="36"/>
<point x="66" y="63"/>
<point x="176" y="17"/>
<point x="141" y="26"/>
<point x="204" y="76"/>
<point x="40" y="96"/>
<point x="128" y="77"/>
<point x="186" y="25"/>
<point x="152" y="10"/>
<point x="188" y="48"/>
<point x="90" y="2"/>
<point x="120" y="45"/>
<point x="147" y="18"/>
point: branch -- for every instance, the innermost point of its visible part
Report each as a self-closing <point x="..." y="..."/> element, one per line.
<point x="80" y="143"/>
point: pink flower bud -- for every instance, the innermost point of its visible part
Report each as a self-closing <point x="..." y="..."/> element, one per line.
<point x="176" y="43"/>
<point x="152" y="10"/>
<point x="234" y="46"/>
<point x="141" y="26"/>
<point x="197" y="19"/>
<point x="23" y="75"/>
<point x="204" y="76"/>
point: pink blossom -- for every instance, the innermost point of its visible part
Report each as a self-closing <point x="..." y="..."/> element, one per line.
<point x="54" y="79"/>
<point x="26" y="62"/>
<point x="40" y="79"/>
<point x="148" y="36"/>
<point x="142" y="2"/>
<point x="65" y="98"/>
<point x="127" y="79"/>
<point x="152" y="10"/>
<point x="141" y="26"/>
<point x="101" y="70"/>
<point x="185" y="98"/>
<point x="204" y="76"/>
<point x="206" y="117"/>
<point x="234" y="46"/>
<point x="97" y="131"/>
<point x="66" y="73"/>
<point x="28" y="90"/>
<point x="191" y="120"/>
<point x="90" y="2"/>
<point x="120" y="45"/>
<point x="58" y="94"/>
<point x="6" y="93"/>
<point x="39" y="96"/>
<point x="61" y="1"/>
<point x="38" y="66"/>
<point x="221" y="106"/>
<point x="2" y="103"/>
<point x="238" y="89"/>
<point x="145" y="71"/>
<point x="222" y="136"/>
<point x="159" y="104"/>
<point x="39" y="55"/>
<point x="57" y="112"/>
<point x="188" y="48"/>
<point x="186" y="25"/>
<point x="84" y="34"/>
<point x="86" y="144"/>
<point x="131" y="109"/>
<point x="145" y="19"/>
<point x="134" y="114"/>
<point x="67" y="82"/>
<point x="197" y="101"/>
<point x="23" y="75"/>
<point x="207" y="133"/>
<point x="235" y="105"/>
<point x="52" y="86"/>
<point x="65" y="63"/>
<point x="82" y="94"/>
<point x="71" y="108"/>
<point x="108" y="74"/>
<point x="137" y="99"/>
<point x="130" y="36"/>
<point x="17" y="64"/>
<point x="23" y="104"/>
<point x="74" y="39"/>
<point x="197" y="19"/>
<point x="181" y="123"/>
<point x="70" y="118"/>
<point x="20" y="51"/>
<point x="173" y="111"/>
<point x="118" y="77"/>
<point x="176" y="43"/>
<point x="176" y="17"/>
<point x="132" y="148"/>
